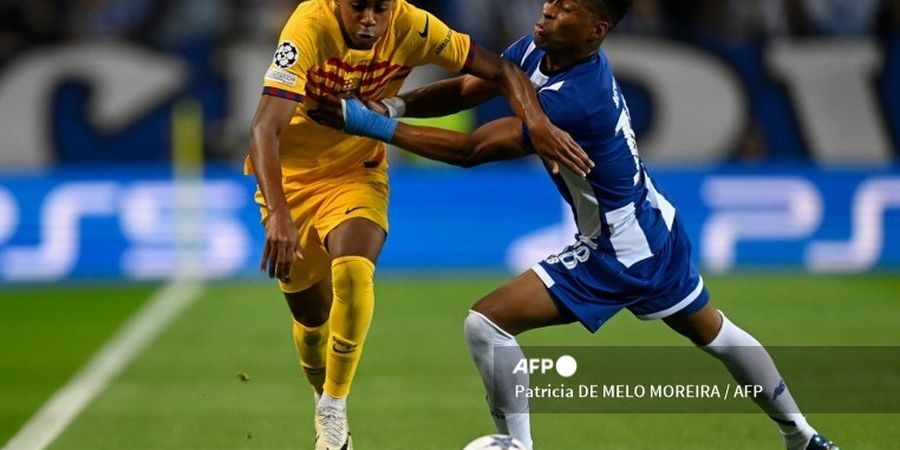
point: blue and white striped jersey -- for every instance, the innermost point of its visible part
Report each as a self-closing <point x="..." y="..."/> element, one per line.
<point x="616" y="207"/>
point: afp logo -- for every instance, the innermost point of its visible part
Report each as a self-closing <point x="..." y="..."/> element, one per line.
<point x="565" y="366"/>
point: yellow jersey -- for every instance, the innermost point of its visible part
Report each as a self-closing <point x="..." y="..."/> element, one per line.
<point x="313" y="60"/>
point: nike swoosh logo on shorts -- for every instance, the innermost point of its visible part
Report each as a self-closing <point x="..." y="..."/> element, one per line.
<point x="350" y="210"/>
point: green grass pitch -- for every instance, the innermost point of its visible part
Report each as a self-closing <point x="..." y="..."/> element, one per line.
<point x="416" y="388"/>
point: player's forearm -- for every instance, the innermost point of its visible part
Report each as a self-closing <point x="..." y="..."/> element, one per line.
<point x="267" y="166"/>
<point x="437" y="144"/>
<point x="521" y="96"/>
<point x="498" y="140"/>
<point x="447" y="97"/>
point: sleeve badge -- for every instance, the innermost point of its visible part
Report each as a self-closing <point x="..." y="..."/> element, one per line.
<point x="286" y="55"/>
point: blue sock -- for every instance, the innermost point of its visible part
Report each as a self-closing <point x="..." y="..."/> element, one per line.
<point x="362" y="121"/>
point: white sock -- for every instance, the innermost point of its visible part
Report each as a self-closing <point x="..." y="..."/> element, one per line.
<point x="750" y="364"/>
<point x="334" y="402"/>
<point x="510" y="413"/>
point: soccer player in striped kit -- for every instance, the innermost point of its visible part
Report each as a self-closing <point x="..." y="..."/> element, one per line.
<point x="631" y="251"/>
<point x="324" y="194"/>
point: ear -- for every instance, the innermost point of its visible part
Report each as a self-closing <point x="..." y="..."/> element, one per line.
<point x="600" y="30"/>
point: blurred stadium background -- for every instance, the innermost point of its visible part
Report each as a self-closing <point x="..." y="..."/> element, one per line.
<point x="774" y="125"/>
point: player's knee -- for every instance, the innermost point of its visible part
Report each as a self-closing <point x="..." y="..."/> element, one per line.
<point x="308" y="311"/>
<point x="351" y="276"/>
<point x="480" y="330"/>
<point x="315" y="337"/>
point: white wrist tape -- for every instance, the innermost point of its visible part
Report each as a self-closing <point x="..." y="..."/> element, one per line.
<point x="396" y="106"/>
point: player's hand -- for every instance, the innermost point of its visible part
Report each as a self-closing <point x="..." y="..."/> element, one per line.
<point x="330" y="113"/>
<point x="556" y="147"/>
<point x="378" y="106"/>
<point x="281" y="247"/>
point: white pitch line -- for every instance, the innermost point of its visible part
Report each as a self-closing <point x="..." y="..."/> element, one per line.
<point x="143" y="327"/>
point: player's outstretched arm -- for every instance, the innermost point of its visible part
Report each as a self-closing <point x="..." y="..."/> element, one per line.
<point x="449" y="96"/>
<point x="491" y="76"/>
<point x="552" y="144"/>
<point x="282" y="241"/>
<point x="498" y="140"/>
<point x="495" y="141"/>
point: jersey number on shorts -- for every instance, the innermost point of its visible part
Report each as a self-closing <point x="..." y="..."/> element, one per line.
<point x="571" y="258"/>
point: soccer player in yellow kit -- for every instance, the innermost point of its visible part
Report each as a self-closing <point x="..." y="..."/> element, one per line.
<point x="324" y="194"/>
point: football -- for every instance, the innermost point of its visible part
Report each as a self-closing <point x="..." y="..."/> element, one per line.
<point x="496" y="442"/>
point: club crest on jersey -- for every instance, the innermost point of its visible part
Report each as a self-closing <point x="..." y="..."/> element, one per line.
<point x="286" y="55"/>
<point x="351" y="86"/>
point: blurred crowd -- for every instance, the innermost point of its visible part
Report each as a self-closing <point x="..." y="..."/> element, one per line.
<point x="165" y="23"/>
<point x="497" y="23"/>
<point x="494" y="23"/>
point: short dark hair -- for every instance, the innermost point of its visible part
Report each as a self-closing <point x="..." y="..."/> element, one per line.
<point x="613" y="10"/>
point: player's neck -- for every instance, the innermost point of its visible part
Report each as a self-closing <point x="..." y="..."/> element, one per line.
<point x="562" y="60"/>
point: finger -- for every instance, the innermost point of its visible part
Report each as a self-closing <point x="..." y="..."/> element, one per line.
<point x="582" y="155"/>
<point x="289" y="265"/>
<point x="279" y="261"/>
<point x="329" y="105"/>
<point x="315" y="116"/>
<point x="263" y="263"/>
<point x="331" y="113"/>
<point x="333" y="122"/>
<point x="554" y="167"/>
<point x="578" y="164"/>
<point x="377" y="107"/>
<point x="582" y="167"/>
<point x="329" y="99"/>
<point x="570" y="163"/>
<point x="572" y="147"/>
<point x="286" y="269"/>
<point x="575" y="155"/>
<point x="273" y="261"/>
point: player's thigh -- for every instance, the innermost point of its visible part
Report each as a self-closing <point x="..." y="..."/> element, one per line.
<point x="312" y="306"/>
<point x="353" y="221"/>
<point x="522" y="304"/>
<point x="356" y="237"/>
<point x="701" y="326"/>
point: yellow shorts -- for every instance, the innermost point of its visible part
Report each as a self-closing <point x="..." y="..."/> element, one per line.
<point x="318" y="208"/>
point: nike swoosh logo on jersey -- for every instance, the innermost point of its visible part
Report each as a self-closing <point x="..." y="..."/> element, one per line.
<point x="424" y="33"/>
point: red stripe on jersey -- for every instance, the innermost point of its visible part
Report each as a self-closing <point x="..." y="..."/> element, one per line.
<point x="275" y="92"/>
<point x="330" y="76"/>
<point x="400" y="75"/>
<point x="391" y="72"/>
<point x="370" y="67"/>
<point x="313" y="85"/>
<point x="385" y="80"/>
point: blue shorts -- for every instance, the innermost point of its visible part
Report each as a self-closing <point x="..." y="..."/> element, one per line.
<point x="593" y="285"/>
